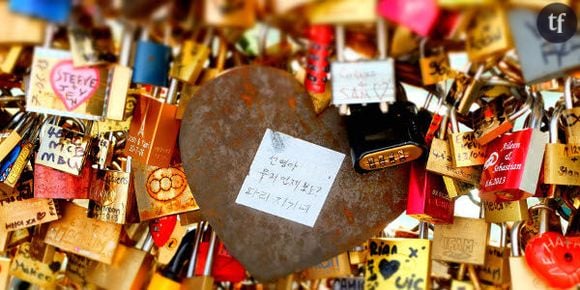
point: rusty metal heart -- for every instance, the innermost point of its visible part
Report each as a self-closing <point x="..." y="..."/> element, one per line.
<point x="221" y="130"/>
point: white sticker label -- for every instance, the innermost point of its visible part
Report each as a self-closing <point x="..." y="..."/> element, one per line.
<point x="363" y="82"/>
<point x="290" y="178"/>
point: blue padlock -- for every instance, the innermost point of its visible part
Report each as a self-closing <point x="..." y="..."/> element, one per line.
<point x="57" y="11"/>
<point x="151" y="63"/>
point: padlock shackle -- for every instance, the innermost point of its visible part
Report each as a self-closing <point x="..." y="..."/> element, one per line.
<point x="526" y="107"/>
<point x="535" y="118"/>
<point x="126" y="44"/>
<point x="568" y="92"/>
<point x="210" y="251"/>
<point x="453" y="120"/>
<point x="339" y="42"/>
<point x="382" y="38"/>
<point x="554" y="121"/>
<point x="515" y="238"/>
<point x="193" y="260"/>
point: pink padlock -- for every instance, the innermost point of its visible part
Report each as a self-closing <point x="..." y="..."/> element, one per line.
<point x="420" y="16"/>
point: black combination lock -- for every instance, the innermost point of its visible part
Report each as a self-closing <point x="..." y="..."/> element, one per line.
<point x="379" y="140"/>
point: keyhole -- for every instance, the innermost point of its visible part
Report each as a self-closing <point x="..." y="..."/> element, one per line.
<point x="172" y="243"/>
<point x="568" y="257"/>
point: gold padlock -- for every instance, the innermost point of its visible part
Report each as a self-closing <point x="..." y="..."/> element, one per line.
<point x="501" y="212"/>
<point x="338" y="266"/>
<point x="461" y="242"/>
<point x="496" y="266"/>
<point x="466" y="151"/>
<point x="440" y="160"/>
<point x="396" y="263"/>
<point x="572" y="118"/>
<point x="488" y="34"/>
<point x="434" y="65"/>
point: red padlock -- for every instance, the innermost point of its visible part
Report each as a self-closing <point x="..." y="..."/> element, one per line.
<point x="420" y="16"/>
<point x="52" y="183"/>
<point x="513" y="161"/>
<point x="162" y="228"/>
<point x="427" y="197"/>
<point x="225" y="267"/>
<point x="555" y="258"/>
<point x="317" y="64"/>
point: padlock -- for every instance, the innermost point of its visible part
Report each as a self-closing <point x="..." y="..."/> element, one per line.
<point x="379" y="140"/>
<point x="189" y="64"/>
<point x="318" y="66"/>
<point x="55" y="11"/>
<point x="460" y="284"/>
<point x="559" y="168"/>
<point x="492" y="126"/>
<point x="488" y="34"/>
<point x="11" y="58"/>
<point x="440" y="160"/>
<point x="522" y="276"/>
<point x="225" y="268"/>
<point x="351" y="283"/>
<point x="13" y="165"/>
<point x="507" y="211"/>
<point x="130" y="268"/>
<point x="363" y="82"/>
<point x="552" y="256"/>
<point x="465" y="89"/>
<point x="4" y="273"/>
<point x="571" y="116"/>
<point x="78" y="234"/>
<point x="112" y="197"/>
<point x="399" y="263"/>
<point x="427" y="197"/>
<point x="119" y="80"/>
<point x="495" y="269"/>
<point x="420" y="16"/>
<point x="151" y="64"/>
<point x="338" y="266"/>
<point x="204" y="282"/>
<point x="22" y="29"/>
<point x="31" y="270"/>
<point x="456" y="188"/>
<point x="539" y="58"/>
<point x="166" y="252"/>
<point x="461" y="242"/>
<point x="342" y="11"/>
<point x="64" y="144"/>
<point x="153" y="134"/>
<point x="162" y="191"/>
<point x="465" y="150"/>
<point x="434" y="64"/>
<point x="168" y="277"/>
<point x="90" y="45"/>
<point x="513" y="161"/>
<point x="24" y="210"/>
<point x="229" y="13"/>
<point x="16" y="132"/>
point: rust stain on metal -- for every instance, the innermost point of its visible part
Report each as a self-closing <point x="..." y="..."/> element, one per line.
<point x="292" y="103"/>
<point x="348" y="214"/>
<point x="217" y="150"/>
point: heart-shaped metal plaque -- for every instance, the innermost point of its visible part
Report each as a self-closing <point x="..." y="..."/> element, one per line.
<point x="222" y="128"/>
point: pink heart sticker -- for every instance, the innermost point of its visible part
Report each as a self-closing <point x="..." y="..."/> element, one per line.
<point x="74" y="85"/>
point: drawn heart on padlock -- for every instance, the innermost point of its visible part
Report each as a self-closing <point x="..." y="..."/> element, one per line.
<point x="388" y="268"/>
<point x="74" y="86"/>
<point x="222" y="128"/>
<point x="40" y="216"/>
<point x="555" y="258"/>
<point x="161" y="229"/>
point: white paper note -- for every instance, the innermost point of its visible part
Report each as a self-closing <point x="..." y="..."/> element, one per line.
<point x="290" y="178"/>
<point x="363" y="82"/>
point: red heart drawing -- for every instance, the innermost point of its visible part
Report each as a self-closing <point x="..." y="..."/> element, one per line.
<point x="74" y="85"/>
<point x="161" y="229"/>
<point x="555" y="258"/>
